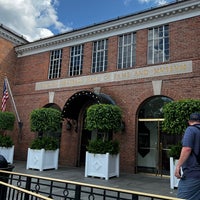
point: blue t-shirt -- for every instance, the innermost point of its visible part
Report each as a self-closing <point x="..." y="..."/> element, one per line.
<point x="191" y="138"/>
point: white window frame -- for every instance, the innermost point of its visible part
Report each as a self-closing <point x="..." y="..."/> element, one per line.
<point x="100" y="56"/>
<point x="55" y="64"/>
<point x="158" y="45"/>
<point x="76" y="60"/>
<point x="126" y="51"/>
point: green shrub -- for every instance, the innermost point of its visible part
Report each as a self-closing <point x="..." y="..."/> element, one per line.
<point x="7" y="120"/>
<point x="177" y="113"/>
<point x="104" y="118"/>
<point x="6" y="141"/>
<point x="45" y="119"/>
<point x="175" y="150"/>
<point x="102" y="147"/>
<point x="47" y="143"/>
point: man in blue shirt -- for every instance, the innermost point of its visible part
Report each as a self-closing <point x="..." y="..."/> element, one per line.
<point x="189" y="185"/>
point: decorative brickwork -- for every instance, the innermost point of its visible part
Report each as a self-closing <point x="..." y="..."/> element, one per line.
<point x="26" y="67"/>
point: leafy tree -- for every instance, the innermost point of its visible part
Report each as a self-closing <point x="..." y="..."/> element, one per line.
<point x="45" y="120"/>
<point x="105" y="119"/>
<point x="177" y="113"/>
<point x="7" y="120"/>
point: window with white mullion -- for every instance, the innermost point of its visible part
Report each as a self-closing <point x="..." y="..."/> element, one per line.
<point x="126" y="51"/>
<point x="158" y="45"/>
<point x="153" y="53"/>
<point x="104" y="56"/>
<point x="81" y="60"/>
<point x="96" y="58"/>
<point x="131" y="49"/>
<point x="122" y="54"/>
<point x="100" y="53"/>
<point x="55" y="64"/>
<point x="76" y="60"/>
<point x="163" y="47"/>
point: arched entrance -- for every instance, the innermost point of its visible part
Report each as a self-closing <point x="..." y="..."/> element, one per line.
<point x="75" y="110"/>
<point x="153" y="144"/>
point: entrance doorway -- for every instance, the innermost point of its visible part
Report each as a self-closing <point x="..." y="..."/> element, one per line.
<point x="153" y="144"/>
<point x="75" y="110"/>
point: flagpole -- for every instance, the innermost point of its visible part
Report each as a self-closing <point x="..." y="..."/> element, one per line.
<point x="9" y="89"/>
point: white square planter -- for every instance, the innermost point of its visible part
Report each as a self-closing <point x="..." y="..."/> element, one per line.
<point x="8" y="153"/>
<point x="42" y="159"/>
<point x="101" y="165"/>
<point x="173" y="180"/>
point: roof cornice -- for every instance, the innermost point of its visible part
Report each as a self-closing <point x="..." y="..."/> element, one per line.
<point x="130" y="23"/>
<point x="11" y="36"/>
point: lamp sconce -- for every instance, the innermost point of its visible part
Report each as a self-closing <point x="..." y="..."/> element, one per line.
<point x="71" y="123"/>
<point x="75" y="125"/>
<point x="122" y="126"/>
<point x="68" y="125"/>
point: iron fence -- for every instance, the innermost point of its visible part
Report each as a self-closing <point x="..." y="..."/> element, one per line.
<point x="64" y="189"/>
<point x="17" y="193"/>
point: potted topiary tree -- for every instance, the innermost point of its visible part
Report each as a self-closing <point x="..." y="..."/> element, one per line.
<point x="102" y="156"/>
<point x="7" y="120"/>
<point x="176" y="116"/>
<point x="44" y="150"/>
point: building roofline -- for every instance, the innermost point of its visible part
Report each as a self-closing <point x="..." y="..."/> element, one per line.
<point x="174" y="11"/>
<point x="11" y="35"/>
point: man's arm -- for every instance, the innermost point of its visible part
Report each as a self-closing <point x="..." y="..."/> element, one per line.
<point x="185" y="152"/>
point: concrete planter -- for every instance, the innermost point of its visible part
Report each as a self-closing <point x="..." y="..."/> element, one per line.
<point x="173" y="180"/>
<point x="8" y="153"/>
<point x="102" y="165"/>
<point x="42" y="159"/>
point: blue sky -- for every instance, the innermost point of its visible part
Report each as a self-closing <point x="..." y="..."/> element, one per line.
<point x="80" y="13"/>
<point x="37" y="19"/>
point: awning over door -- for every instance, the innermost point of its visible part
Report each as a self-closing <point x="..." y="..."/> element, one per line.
<point x="74" y="104"/>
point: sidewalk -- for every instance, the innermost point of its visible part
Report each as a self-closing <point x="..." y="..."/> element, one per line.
<point x="149" y="183"/>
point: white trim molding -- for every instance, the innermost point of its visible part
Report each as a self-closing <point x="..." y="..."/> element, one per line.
<point x="153" y="17"/>
<point x="123" y="75"/>
<point x="11" y="36"/>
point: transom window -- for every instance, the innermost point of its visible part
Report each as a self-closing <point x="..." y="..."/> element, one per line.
<point x="126" y="51"/>
<point x="55" y="64"/>
<point x="100" y="56"/>
<point x="158" y="44"/>
<point x="76" y="60"/>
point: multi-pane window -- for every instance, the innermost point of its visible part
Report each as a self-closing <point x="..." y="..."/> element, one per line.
<point x="76" y="60"/>
<point x="55" y="64"/>
<point x="158" y="44"/>
<point x="100" y="56"/>
<point x="127" y="51"/>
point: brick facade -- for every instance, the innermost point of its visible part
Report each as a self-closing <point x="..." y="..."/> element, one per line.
<point x="24" y="71"/>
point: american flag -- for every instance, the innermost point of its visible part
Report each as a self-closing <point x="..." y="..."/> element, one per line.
<point x="4" y="97"/>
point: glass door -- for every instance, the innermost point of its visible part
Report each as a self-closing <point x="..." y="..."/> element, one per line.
<point x="152" y="143"/>
<point x="149" y="157"/>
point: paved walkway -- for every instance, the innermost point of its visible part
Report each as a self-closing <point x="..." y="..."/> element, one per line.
<point x="149" y="183"/>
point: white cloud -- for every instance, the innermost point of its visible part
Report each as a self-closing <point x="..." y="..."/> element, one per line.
<point x="31" y="18"/>
<point x="144" y="1"/>
<point x="161" y="2"/>
<point x="156" y="2"/>
<point x="126" y="2"/>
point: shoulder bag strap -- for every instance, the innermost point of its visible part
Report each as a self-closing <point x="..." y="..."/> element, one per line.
<point x="197" y="156"/>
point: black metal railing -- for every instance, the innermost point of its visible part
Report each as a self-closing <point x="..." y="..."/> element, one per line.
<point x="17" y="193"/>
<point x="63" y="189"/>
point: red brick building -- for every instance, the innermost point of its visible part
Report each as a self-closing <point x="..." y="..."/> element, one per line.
<point x="138" y="62"/>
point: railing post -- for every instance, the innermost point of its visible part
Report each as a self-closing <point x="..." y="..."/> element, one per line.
<point x="78" y="192"/>
<point x="28" y="187"/>
<point x="4" y="177"/>
<point x="135" y="197"/>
